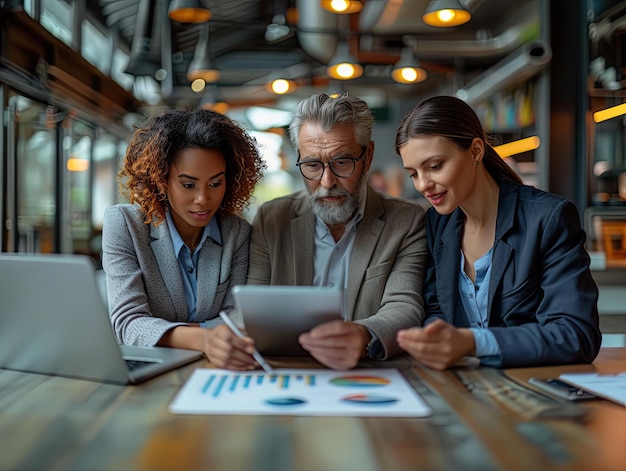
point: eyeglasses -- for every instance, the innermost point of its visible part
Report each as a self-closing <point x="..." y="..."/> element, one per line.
<point x="342" y="167"/>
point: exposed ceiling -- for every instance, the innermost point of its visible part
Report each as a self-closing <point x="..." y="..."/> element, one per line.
<point x="246" y="58"/>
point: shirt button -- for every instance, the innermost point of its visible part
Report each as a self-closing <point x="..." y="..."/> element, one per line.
<point x="189" y="270"/>
<point x="331" y="284"/>
<point x="471" y="296"/>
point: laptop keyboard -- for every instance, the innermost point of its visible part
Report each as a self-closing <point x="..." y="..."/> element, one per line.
<point x="134" y="364"/>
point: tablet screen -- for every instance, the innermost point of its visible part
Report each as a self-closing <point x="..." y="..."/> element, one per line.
<point x="274" y="316"/>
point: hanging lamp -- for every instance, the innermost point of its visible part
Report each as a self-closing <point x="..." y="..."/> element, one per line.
<point x="188" y="11"/>
<point x="342" y="7"/>
<point x="201" y="66"/>
<point x="408" y="69"/>
<point x="445" y="13"/>
<point x="343" y="66"/>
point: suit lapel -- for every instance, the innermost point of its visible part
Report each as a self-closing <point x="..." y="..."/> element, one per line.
<point x="208" y="279"/>
<point x="163" y="250"/>
<point x="368" y="234"/>
<point x="447" y="253"/>
<point x="502" y="252"/>
<point x="303" y="248"/>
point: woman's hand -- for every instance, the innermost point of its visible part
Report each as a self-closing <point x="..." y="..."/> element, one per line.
<point x="221" y="346"/>
<point x="439" y="345"/>
<point x="225" y="350"/>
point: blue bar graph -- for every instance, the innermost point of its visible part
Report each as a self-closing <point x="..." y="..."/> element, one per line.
<point x="219" y="384"/>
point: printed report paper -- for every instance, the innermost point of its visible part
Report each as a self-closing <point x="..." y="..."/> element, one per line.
<point x="364" y="392"/>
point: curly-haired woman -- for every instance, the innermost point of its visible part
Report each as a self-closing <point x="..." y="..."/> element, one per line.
<point x="172" y="255"/>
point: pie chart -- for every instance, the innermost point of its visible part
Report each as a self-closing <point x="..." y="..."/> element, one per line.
<point x="285" y="401"/>
<point x="371" y="399"/>
<point x="359" y="381"/>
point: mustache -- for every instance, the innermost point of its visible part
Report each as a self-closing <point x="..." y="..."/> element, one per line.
<point x="322" y="192"/>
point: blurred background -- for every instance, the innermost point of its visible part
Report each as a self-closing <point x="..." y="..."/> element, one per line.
<point x="546" y="78"/>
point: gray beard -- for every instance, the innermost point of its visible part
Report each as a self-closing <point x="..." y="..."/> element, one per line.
<point x="336" y="213"/>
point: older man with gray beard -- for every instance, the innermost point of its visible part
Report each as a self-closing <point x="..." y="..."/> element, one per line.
<point x="341" y="232"/>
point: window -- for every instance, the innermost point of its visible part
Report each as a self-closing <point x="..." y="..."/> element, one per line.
<point x="96" y="47"/>
<point x="56" y="17"/>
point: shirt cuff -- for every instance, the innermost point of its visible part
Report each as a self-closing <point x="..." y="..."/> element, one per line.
<point x="487" y="348"/>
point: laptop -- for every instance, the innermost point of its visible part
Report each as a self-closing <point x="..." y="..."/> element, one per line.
<point x="274" y="316"/>
<point x="53" y="322"/>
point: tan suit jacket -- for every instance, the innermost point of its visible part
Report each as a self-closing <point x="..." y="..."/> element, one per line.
<point x="386" y="265"/>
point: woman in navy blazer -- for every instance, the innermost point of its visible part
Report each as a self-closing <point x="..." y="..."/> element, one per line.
<point x="508" y="279"/>
<point x="172" y="254"/>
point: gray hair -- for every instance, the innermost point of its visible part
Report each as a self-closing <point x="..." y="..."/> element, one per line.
<point x="329" y="111"/>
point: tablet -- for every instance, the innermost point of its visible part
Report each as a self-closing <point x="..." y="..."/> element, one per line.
<point x="274" y="316"/>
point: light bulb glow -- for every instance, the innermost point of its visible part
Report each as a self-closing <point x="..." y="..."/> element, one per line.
<point x="75" y="164"/>
<point x="345" y="70"/>
<point x="409" y="75"/>
<point x="281" y="86"/>
<point x="198" y="85"/>
<point x="339" y="5"/>
<point x="446" y="16"/>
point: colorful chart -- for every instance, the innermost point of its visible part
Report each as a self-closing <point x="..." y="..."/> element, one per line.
<point x="360" y="381"/>
<point x="219" y="384"/>
<point x="364" y="399"/>
<point x="367" y="392"/>
<point x="285" y="401"/>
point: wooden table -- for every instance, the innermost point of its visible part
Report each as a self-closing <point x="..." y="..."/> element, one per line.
<point x="484" y="419"/>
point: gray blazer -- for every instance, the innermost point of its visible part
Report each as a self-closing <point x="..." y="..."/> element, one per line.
<point x="386" y="266"/>
<point x="144" y="284"/>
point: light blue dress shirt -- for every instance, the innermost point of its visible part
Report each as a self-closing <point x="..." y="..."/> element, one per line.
<point x="188" y="262"/>
<point x="474" y="304"/>
<point x="331" y="262"/>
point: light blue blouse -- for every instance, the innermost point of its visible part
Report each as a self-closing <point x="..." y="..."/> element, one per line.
<point x="474" y="302"/>
<point x="188" y="262"/>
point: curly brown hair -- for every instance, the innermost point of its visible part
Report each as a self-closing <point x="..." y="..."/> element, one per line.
<point x="154" y="144"/>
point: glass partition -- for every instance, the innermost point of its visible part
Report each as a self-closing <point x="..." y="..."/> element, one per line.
<point x="33" y="177"/>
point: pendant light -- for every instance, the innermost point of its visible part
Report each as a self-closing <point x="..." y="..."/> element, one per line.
<point x="343" y="66"/>
<point x="281" y="86"/>
<point x="342" y="7"/>
<point x="188" y="11"/>
<point x="445" y="13"/>
<point x="143" y="59"/>
<point x="201" y="66"/>
<point x="408" y="69"/>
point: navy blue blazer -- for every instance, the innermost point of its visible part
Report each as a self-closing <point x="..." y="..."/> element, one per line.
<point x="542" y="303"/>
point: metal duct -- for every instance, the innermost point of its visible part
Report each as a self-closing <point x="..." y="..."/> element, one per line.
<point x="514" y="69"/>
<point x="502" y="44"/>
<point x="317" y="30"/>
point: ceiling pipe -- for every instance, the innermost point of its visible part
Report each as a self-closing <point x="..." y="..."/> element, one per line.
<point x="523" y="28"/>
<point x="317" y="30"/>
<point x="514" y="69"/>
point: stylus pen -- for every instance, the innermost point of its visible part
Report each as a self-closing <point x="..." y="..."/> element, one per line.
<point x="256" y="355"/>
